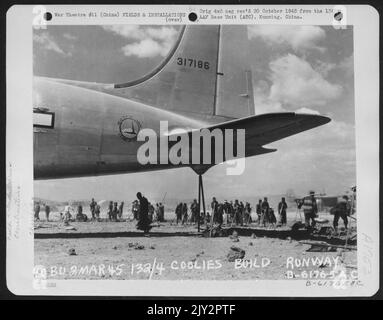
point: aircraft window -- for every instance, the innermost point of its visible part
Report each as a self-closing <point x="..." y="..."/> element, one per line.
<point x="43" y="119"/>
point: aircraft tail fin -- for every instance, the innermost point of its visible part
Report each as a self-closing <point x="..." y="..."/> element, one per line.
<point x="204" y="74"/>
<point x="186" y="80"/>
<point x="235" y="97"/>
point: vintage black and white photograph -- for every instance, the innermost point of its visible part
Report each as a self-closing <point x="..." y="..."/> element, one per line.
<point x="288" y="210"/>
<point x="170" y="149"/>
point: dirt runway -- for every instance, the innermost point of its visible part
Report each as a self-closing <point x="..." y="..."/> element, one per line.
<point x="175" y="252"/>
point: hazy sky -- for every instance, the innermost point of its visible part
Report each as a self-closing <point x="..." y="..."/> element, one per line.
<point x="295" y="68"/>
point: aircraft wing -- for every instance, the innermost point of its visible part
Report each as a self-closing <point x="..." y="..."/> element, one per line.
<point x="266" y="128"/>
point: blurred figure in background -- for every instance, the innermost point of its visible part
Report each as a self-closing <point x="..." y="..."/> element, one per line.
<point x="248" y="219"/>
<point x="162" y="212"/>
<point x="184" y="213"/>
<point x="214" y="209"/>
<point x="341" y="210"/>
<point x="120" y="210"/>
<point x="110" y="210"/>
<point x="272" y="218"/>
<point x="231" y="212"/>
<point x="151" y="212"/>
<point x="47" y="211"/>
<point x="310" y="209"/>
<point x="265" y="212"/>
<point x="92" y="207"/>
<point x="143" y="215"/>
<point x="37" y="211"/>
<point x="97" y="211"/>
<point x="135" y="209"/>
<point x="179" y="212"/>
<point x="259" y="211"/>
<point x="219" y="218"/>
<point x="237" y="209"/>
<point x="241" y="213"/>
<point x="157" y="212"/>
<point x="115" y="212"/>
<point x="226" y="210"/>
<point x="282" y="209"/>
<point x="67" y="216"/>
<point x="80" y="217"/>
<point x="194" y="211"/>
<point x="353" y="200"/>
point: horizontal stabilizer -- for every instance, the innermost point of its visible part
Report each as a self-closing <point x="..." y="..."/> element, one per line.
<point x="264" y="129"/>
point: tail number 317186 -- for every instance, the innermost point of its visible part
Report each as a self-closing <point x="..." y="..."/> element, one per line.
<point x="193" y="63"/>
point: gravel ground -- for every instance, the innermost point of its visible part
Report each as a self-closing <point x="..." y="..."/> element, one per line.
<point x="174" y="252"/>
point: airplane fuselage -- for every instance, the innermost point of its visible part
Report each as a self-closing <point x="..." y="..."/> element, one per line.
<point x="87" y="129"/>
<point x="93" y="132"/>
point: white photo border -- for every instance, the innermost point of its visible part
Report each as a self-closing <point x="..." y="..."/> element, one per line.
<point x="19" y="164"/>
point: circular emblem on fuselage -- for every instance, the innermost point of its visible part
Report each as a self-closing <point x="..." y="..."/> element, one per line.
<point x="129" y="128"/>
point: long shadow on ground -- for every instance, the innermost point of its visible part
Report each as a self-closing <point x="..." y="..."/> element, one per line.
<point x="123" y="234"/>
<point x="242" y="231"/>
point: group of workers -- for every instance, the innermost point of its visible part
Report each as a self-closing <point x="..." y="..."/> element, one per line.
<point x="342" y="210"/>
<point x="155" y="213"/>
<point x="235" y="212"/>
<point x="182" y="212"/>
<point x="68" y="213"/>
<point x="37" y="209"/>
<point x="266" y="215"/>
<point x="114" y="212"/>
<point x="231" y="212"/>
